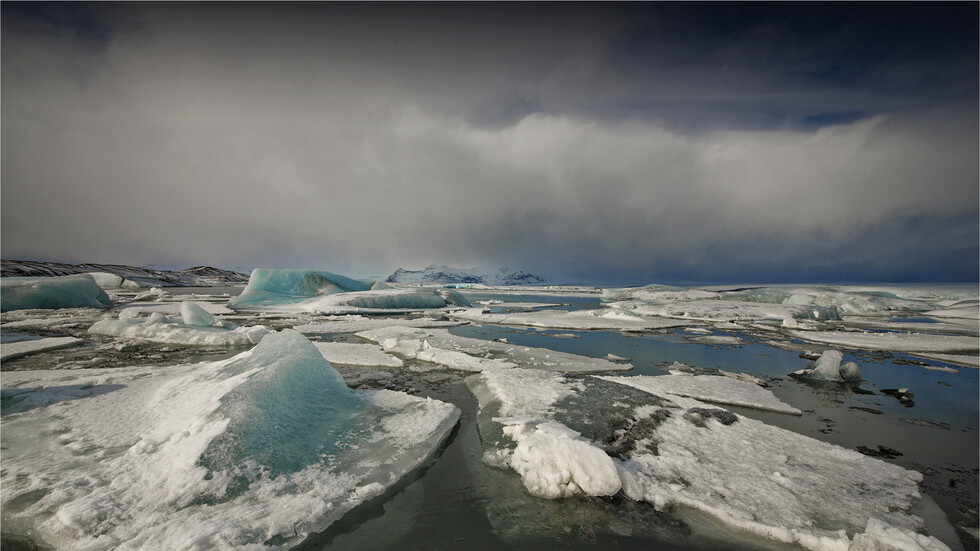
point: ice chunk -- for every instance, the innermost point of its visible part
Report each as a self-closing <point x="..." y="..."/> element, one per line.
<point x="192" y="314"/>
<point x="253" y="452"/>
<point x="880" y="536"/>
<point x="11" y="350"/>
<point x="710" y="388"/>
<point x="435" y="344"/>
<point x="367" y="355"/>
<point x="276" y="287"/>
<point x="828" y="367"/>
<point x="74" y="291"/>
<point x="159" y="328"/>
<point x="108" y="280"/>
<point x="679" y="452"/>
<point x="129" y="313"/>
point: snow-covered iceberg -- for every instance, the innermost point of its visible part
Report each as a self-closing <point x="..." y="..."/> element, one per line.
<point x="587" y="436"/>
<point x="892" y="341"/>
<point x="253" y="452"/>
<point x="327" y="293"/>
<point x="11" y="350"/>
<point x="355" y="323"/>
<point x="611" y="319"/>
<point x="47" y="293"/>
<point x="108" y="280"/>
<point x="193" y="330"/>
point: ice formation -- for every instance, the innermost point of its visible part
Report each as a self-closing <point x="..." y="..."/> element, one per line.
<point x="468" y="354"/>
<point x="108" y="280"/>
<point x="283" y="287"/>
<point x="75" y="291"/>
<point x="568" y="437"/>
<point x="709" y="388"/>
<point x="253" y="452"/>
<point x="159" y="328"/>
<point x="329" y="293"/>
<point x="11" y="350"/>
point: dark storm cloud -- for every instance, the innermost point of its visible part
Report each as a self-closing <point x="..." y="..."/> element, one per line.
<point x="589" y="141"/>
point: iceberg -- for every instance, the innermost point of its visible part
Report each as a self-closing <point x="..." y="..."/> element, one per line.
<point x="355" y="354"/>
<point x="327" y="293"/>
<point x="588" y="436"/>
<point x="48" y="293"/>
<point x="612" y="319"/>
<point x="355" y="324"/>
<point x="709" y="388"/>
<point x="108" y="280"/>
<point x="892" y="341"/>
<point x="254" y="452"/>
<point x="159" y="328"/>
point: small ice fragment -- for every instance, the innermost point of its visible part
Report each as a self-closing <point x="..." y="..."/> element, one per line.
<point x="192" y="314"/>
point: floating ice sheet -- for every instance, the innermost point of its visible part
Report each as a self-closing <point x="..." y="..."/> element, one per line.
<point x="11" y="350"/>
<point x="252" y="452"/>
<point x="354" y="324"/>
<point x="159" y="328"/>
<point x="74" y="291"/>
<point x="469" y="354"/>
<point x="608" y="319"/>
<point x="365" y="355"/>
<point x="891" y="341"/>
<point x="594" y="437"/>
<point x="709" y="388"/>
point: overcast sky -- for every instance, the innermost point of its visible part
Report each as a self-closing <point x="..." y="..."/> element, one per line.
<point x="594" y="143"/>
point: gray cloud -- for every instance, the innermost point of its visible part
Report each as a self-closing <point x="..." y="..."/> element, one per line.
<point x="249" y="136"/>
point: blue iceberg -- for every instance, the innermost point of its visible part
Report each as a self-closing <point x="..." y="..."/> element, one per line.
<point x="48" y="293"/>
<point x="276" y="287"/>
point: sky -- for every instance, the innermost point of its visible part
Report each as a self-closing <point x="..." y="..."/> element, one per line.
<point x="593" y="143"/>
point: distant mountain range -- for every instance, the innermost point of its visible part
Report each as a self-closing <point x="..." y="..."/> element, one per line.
<point x="200" y="276"/>
<point x="445" y="275"/>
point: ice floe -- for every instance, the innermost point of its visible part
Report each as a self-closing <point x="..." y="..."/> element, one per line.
<point x="892" y="341"/>
<point x="594" y="437"/>
<point x="74" y="291"/>
<point x="440" y="346"/>
<point x="253" y="452"/>
<point x="11" y="350"/>
<point x="710" y="388"/>
<point x="354" y="324"/>
<point x="364" y="355"/>
<point x="608" y="319"/>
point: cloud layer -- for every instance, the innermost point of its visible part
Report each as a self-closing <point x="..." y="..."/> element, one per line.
<point x="362" y="138"/>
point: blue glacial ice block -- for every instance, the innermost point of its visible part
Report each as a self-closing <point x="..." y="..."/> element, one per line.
<point x="276" y="287"/>
<point x="73" y="291"/>
<point x="294" y="412"/>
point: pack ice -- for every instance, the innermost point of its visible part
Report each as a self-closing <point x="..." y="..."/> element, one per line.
<point x="587" y="436"/>
<point x="256" y="451"/>
<point x="328" y="293"/>
<point x="48" y="293"/>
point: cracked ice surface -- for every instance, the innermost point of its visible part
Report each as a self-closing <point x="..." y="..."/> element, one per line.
<point x="205" y="456"/>
<point x="594" y="437"/>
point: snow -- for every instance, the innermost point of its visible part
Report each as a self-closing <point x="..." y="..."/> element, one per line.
<point x="354" y="324"/>
<point x="678" y="452"/>
<point x="205" y="456"/>
<point x="891" y="341"/>
<point x="709" y="388"/>
<point x="608" y="319"/>
<point x="440" y="346"/>
<point x="363" y="355"/>
<point x="11" y="350"/>
<point x="74" y="291"/>
<point x="158" y="328"/>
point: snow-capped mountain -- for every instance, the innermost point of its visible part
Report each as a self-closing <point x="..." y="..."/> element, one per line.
<point x="445" y="274"/>
<point x="200" y="276"/>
